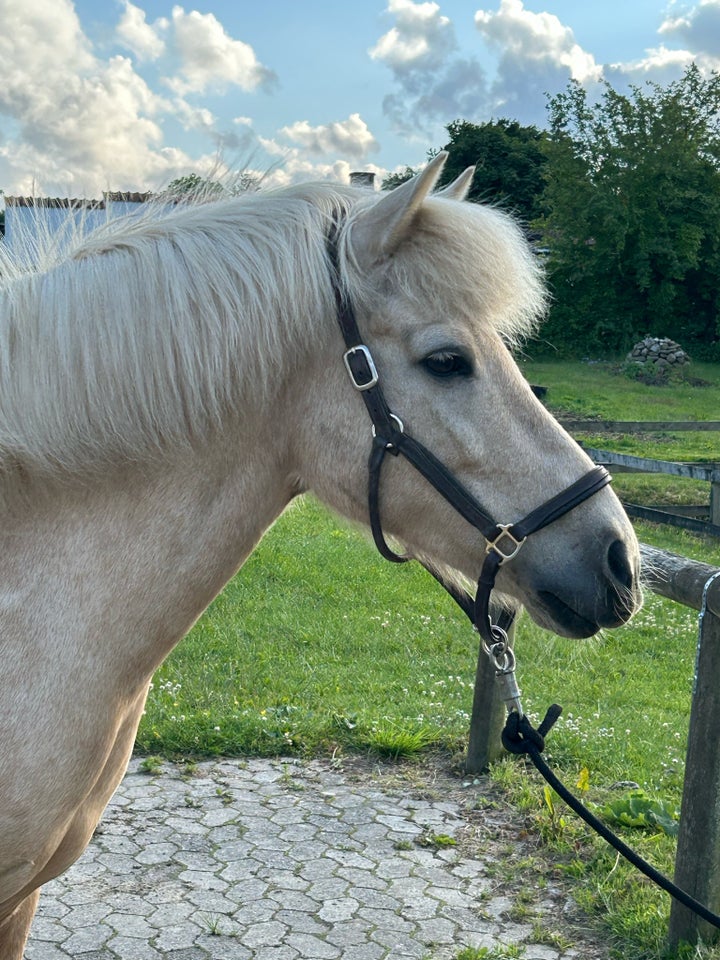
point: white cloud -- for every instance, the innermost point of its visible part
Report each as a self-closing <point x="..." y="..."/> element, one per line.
<point x="76" y="123"/>
<point x="137" y="34"/>
<point x="350" y="138"/>
<point x="294" y="167"/>
<point x="659" y="65"/>
<point x="211" y="59"/>
<point x="75" y="119"/>
<point x="194" y="118"/>
<point x="538" y="55"/>
<point x="434" y="84"/>
<point x="535" y="41"/>
<point x="421" y="39"/>
<point x="698" y="28"/>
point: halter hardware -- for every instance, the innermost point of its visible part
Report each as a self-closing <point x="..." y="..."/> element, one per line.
<point x="501" y="544"/>
<point x="497" y="543"/>
<point x="361" y="367"/>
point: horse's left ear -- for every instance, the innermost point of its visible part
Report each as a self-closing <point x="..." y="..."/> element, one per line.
<point x="379" y="231"/>
<point x="460" y="187"/>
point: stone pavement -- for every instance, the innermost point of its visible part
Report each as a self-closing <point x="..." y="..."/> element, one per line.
<point x="299" y="860"/>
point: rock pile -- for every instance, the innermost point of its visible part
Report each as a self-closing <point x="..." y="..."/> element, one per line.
<point x="660" y="352"/>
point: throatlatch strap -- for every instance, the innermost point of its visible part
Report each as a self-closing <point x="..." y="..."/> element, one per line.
<point x="377" y="455"/>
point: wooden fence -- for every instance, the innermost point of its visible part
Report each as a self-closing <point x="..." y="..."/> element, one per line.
<point x="689" y="518"/>
<point x="701" y="518"/>
<point x="697" y="864"/>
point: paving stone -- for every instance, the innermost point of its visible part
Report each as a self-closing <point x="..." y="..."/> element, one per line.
<point x="279" y="860"/>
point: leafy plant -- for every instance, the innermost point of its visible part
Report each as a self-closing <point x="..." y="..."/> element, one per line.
<point x="636" y="809"/>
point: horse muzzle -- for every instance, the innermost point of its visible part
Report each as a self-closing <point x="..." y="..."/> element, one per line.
<point x="580" y="602"/>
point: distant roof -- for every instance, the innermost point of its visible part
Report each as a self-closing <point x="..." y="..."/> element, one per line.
<point x="54" y="202"/>
<point x="127" y="197"/>
<point x="75" y="203"/>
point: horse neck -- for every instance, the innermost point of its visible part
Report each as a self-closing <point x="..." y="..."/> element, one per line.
<point x="129" y="563"/>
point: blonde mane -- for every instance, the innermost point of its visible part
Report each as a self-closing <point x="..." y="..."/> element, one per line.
<point x="144" y="333"/>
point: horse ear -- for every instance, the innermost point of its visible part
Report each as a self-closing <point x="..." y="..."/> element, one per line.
<point x="380" y="230"/>
<point x="460" y="187"/>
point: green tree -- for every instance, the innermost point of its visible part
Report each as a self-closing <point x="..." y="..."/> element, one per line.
<point x="194" y="187"/>
<point x="632" y="216"/>
<point x="508" y="160"/>
<point x="393" y="180"/>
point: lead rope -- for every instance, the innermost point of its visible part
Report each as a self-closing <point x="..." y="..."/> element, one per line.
<point x="520" y="737"/>
<point x="503" y="542"/>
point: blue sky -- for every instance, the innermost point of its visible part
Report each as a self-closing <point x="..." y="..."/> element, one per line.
<point x="127" y="95"/>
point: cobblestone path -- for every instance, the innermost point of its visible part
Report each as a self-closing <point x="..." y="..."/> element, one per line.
<point x="288" y="860"/>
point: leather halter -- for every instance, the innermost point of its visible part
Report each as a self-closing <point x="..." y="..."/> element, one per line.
<point x="503" y="540"/>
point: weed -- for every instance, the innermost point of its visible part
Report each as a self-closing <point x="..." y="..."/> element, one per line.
<point x="501" y="952"/>
<point x="151" y="765"/>
<point x="211" y="922"/>
<point x="436" y="840"/>
<point x="636" y="809"/>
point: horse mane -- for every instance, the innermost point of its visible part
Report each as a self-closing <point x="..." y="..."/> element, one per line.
<point x="143" y="333"/>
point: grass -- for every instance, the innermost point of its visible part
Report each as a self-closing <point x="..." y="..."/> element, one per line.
<point x="319" y="646"/>
<point x="602" y="391"/>
<point x="318" y="643"/>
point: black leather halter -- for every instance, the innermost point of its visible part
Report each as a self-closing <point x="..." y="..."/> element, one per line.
<point x="503" y="540"/>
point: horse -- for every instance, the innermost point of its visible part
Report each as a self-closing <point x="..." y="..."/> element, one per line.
<point x="170" y="382"/>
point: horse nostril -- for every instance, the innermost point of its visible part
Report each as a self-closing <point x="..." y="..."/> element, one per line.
<point x="619" y="564"/>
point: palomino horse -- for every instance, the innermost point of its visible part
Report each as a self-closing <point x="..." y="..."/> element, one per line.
<point x="171" y="382"/>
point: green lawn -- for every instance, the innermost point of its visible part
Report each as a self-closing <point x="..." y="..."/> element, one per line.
<point x="319" y="646"/>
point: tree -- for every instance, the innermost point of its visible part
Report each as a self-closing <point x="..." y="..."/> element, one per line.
<point x="508" y="160"/>
<point x="393" y="180"/>
<point x="194" y="187"/>
<point x="632" y="216"/>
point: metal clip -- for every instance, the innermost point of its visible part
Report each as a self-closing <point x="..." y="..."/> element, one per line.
<point x="505" y="534"/>
<point x="502" y="657"/>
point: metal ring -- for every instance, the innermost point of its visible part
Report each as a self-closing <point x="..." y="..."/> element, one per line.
<point x="400" y="429"/>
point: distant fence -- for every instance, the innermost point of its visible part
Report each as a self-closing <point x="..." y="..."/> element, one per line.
<point x="701" y="518"/>
<point x="697" y="863"/>
<point x="688" y="518"/>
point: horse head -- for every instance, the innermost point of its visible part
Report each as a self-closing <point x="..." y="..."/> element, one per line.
<point x="441" y="289"/>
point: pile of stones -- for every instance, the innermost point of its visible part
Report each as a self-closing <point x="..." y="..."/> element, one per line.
<point x="660" y="352"/>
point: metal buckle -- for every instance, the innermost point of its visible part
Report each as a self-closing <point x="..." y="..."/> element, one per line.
<point x="370" y="369"/>
<point x="514" y="546"/>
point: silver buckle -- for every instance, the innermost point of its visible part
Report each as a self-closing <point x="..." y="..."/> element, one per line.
<point x="372" y="369"/>
<point x="514" y="545"/>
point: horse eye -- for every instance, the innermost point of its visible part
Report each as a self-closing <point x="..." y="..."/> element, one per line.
<point x="447" y="364"/>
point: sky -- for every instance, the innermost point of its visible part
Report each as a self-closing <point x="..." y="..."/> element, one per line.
<point x="117" y="95"/>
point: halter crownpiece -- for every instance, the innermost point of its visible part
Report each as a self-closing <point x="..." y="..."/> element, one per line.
<point x="503" y="540"/>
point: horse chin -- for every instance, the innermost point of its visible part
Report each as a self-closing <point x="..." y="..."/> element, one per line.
<point x="550" y="612"/>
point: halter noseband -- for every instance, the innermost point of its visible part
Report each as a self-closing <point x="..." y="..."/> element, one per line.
<point x="503" y="540"/>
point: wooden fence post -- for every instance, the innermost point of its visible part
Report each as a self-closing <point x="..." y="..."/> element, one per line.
<point x="488" y="715"/>
<point x="697" y="864"/>
<point x="715" y="503"/>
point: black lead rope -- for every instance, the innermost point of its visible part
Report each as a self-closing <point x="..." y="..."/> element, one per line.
<point x="519" y="736"/>
<point x="503" y="541"/>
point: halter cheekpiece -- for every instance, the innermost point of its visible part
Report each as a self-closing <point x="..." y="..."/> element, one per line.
<point x="503" y="541"/>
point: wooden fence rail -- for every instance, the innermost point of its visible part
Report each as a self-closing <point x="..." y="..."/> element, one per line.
<point x="697" y="864"/>
<point x="639" y="426"/>
<point x="710" y="473"/>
